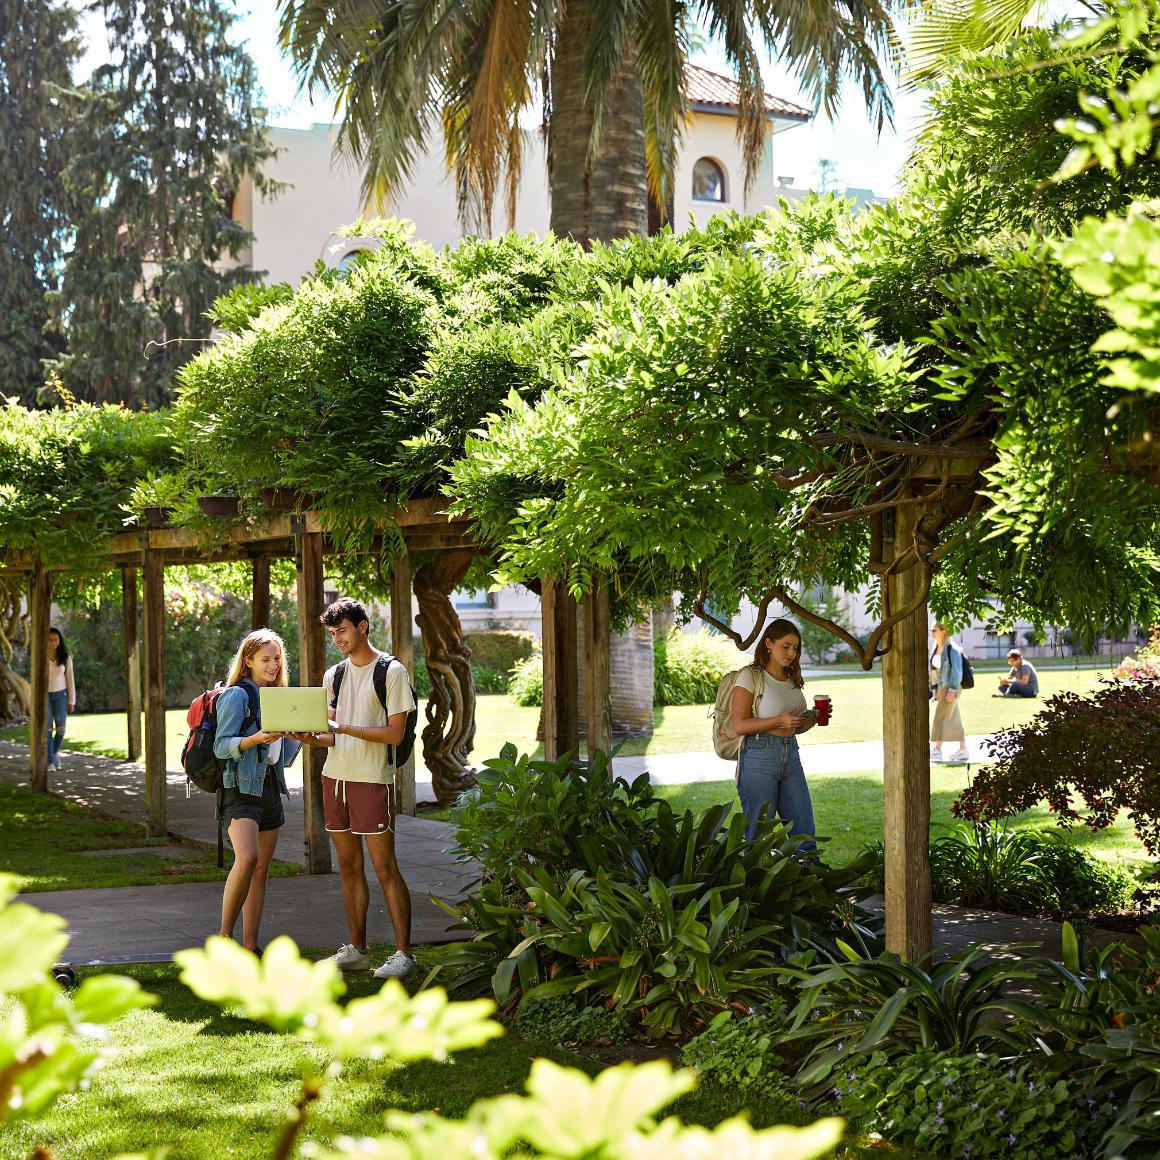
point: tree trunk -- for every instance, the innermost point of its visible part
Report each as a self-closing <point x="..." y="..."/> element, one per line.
<point x="632" y="681"/>
<point x="39" y="614"/>
<point x="15" y="691"/>
<point x="604" y="196"/>
<point x="906" y="773"/>
<point x="450" y="731"/>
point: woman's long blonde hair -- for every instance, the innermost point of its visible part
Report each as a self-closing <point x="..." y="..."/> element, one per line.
<point x="259" y="638"/>
<point x="776" y="630"/>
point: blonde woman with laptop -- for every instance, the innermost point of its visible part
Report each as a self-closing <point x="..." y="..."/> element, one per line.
<point x="253" y="782"/>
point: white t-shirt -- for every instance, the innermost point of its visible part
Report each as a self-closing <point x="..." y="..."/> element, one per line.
<point x="776" y="696"/>
<point x="353" y="759"/>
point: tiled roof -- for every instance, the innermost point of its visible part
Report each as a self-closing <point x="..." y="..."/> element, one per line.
<point x="703" y="87"/>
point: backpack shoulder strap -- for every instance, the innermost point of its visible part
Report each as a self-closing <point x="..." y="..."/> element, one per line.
<point x="336" y="683"/>
<point x="758" y="686"/>
<point x="379" y="677"/>
<point x="252" y="702"/>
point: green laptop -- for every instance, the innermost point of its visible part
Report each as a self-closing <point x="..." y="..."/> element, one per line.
<point x="293" y="710"/>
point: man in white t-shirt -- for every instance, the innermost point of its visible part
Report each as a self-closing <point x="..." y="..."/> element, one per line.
<point x="358" y="783"/>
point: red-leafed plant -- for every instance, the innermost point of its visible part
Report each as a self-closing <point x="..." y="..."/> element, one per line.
<point x="1087" y="756"/>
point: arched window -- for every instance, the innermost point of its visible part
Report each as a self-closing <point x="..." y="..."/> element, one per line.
<point x="347" y="261"/>
<point x="708" y="180"/>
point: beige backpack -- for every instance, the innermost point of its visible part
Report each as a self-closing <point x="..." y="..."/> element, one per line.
<point x="726" y="741"/>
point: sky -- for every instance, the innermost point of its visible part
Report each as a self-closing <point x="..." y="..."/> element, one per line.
<point x="860" y="155"/>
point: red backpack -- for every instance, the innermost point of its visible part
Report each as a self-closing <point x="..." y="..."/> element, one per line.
<point x="203" y="768"/>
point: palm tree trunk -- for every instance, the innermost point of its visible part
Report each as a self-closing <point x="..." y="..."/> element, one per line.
<point x="605" y="196"/>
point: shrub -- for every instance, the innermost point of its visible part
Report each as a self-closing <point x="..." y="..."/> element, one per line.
<point x="974" y="1106"/>
<point x="563" y="1021"/>
<point x="688" y="666"/>
<point x="850" y="1009"/>
<point x="593" y="887"/>
<point x="1081" y="882"/>
<point x="499" y="648"/>
<point x="990" y="867"/>
<point x="526" y="683"/>
<point x="1100" y="749"/>
<point x="735" y="1051"/>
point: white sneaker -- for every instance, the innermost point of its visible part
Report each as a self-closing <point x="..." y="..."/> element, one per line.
<point x="959" y="756"/>
<point x="350" y="958"/>
<point x="936" y="755"/>
<point x="398" y="965"/>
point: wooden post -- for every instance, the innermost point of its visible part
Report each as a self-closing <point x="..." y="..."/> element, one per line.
<point x="598" y="686"/>
<point x="260" y="593"/>
<point x="132" y="644"/>
<point x="561" y="691"/>
<point x="906" y="775"/>
<point x="311" y="665"/>
<point x="153" y="595"/>
<point x="403" y="646"/>
<point x="39" y="614"/>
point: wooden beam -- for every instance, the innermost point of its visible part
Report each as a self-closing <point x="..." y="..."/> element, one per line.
<point x="403" y="646"/>
<point x="906" y="774"/>
<point x="260" y="593"/>
<point x="561" y="691"/>
<point x="131" y="639"/>
<point x="598" y="669"/>
<point x="153" y="599"/>
<point x="311" y="665"/>
<point x="437" y="541"/>
<point x="39" y="614"/>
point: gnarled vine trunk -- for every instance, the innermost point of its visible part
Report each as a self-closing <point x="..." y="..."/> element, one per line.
<point x="450" y="730"/>
<point x="15" y="691"/>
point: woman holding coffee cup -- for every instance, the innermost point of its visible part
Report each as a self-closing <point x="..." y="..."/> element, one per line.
<point x="769" y="711"/>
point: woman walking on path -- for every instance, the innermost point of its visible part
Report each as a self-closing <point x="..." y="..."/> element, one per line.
<point x="946" y="679"/>
<point x="253" y="782"/>
<point x="62" y="693"/>
<point x="769" y="769"/>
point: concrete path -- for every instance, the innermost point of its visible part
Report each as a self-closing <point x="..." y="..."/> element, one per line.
<point x="148" y="923"/>
<point x="822" y="758"/>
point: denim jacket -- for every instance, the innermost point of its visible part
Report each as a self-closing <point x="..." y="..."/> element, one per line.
<point x="950" y="672"/>
<point x="246" y="769"/>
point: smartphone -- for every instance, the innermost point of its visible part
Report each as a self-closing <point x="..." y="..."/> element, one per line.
<point x="807" y="715"/>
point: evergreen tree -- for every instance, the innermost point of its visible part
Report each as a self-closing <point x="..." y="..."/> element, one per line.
<point x="168" y="130"/>
<point x="38" y="45"/>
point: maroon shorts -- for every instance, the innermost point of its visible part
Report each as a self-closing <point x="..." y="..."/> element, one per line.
<point x="358" y="807"/>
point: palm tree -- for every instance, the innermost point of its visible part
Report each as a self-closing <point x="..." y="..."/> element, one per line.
<point x="607" y="74"/>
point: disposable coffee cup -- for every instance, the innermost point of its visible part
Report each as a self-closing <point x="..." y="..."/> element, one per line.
<point x="822" y="704"/>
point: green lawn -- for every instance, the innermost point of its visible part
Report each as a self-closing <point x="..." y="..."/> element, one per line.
<point x="45" y="840"/>
<point x="213" y="1085"/>
<point x="848" y="810"/>
<point x="679" y="728"/>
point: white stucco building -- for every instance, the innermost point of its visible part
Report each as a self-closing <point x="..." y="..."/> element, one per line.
<point x="296" y="228"/>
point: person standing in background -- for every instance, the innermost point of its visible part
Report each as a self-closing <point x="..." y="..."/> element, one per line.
<point x="62" y="693"/>
<point x="946" y="680"/>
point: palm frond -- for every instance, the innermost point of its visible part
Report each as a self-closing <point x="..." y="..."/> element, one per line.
<point x="944" y="29"/>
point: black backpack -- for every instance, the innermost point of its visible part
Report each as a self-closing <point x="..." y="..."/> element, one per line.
<point x="968" y="672"/>
<point x="401" y="753"/>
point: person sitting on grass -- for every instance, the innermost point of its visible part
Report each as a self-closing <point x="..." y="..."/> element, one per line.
<point x="1021" y="681"/>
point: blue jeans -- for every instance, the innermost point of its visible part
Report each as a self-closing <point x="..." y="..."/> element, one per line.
<point x="57" y="716"/>
<point x="1017" y="691"/>
<point x="772" y="775"/>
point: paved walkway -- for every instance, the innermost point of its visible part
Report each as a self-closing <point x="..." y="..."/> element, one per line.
<point x="150" y="923"/>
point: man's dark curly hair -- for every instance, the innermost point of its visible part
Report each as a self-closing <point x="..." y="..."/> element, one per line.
<point x="344" y="609"/>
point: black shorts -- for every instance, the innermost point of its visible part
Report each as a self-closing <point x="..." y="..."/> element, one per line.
<point x="265" y="809"/>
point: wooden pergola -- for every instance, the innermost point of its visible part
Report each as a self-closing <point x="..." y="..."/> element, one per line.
<point x="424" y="526"/>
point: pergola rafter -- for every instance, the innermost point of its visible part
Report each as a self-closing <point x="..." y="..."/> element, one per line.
<point x="423" y="525"/>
